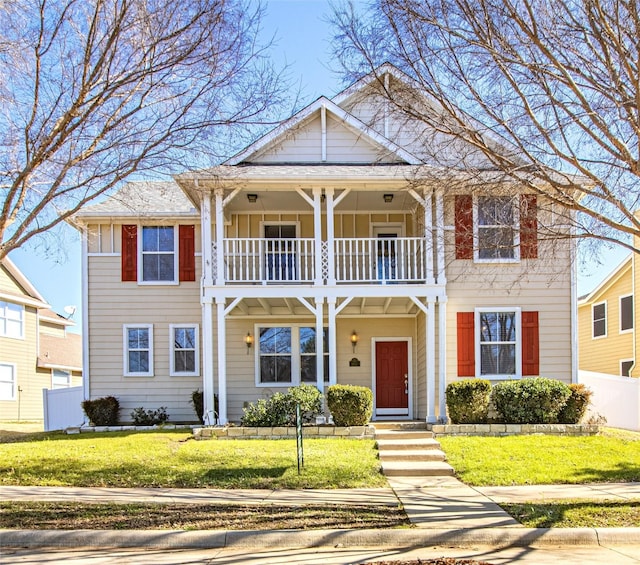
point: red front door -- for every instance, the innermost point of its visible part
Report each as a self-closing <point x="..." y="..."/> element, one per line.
<point x="392" y="387"/>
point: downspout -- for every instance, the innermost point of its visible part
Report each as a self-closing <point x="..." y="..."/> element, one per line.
<point x="574" y="308"/>
<point x="86" y="390"/>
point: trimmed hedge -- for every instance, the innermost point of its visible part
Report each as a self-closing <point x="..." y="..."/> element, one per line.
<point x="468" y="401"/>
<point x="102" y="411"/>
<point x="577" y="404"/>
<point x="142" y="417"/>
<point x="280" y="409"/>
<point x="530" y="401"/>
<point x="350" y="405"/>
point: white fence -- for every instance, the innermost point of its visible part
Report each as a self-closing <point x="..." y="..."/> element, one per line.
<point x="63" y="408"/>
<point x="615" y="398"/>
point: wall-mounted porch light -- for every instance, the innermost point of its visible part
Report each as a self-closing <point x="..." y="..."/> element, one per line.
<point x="252" y="197"/>
<point x="248" y="340"/>
<point x="388" y="198"/>
<point x="354" y="340"/>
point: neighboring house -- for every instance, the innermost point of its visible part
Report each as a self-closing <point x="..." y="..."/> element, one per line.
<point x="607" y="323"/>
<point x="332" y="250"/>
<point x="36" y="351"/>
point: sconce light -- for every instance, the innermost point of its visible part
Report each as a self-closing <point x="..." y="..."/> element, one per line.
<point x="354" y="340"/>
<point x="388" y="198"/>
<point x="252" y="197"/>
<point x="249" y="341"/>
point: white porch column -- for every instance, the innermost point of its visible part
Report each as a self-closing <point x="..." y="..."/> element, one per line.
<point x="431" y="361"/>
<point x="207" y="363"/>
<point x="319" y="345"/>
<point x="222" y="362"/>
<point x="207" y="240"/>
<point x="442" y="276"/>
<point x="333" y="363"/>
<point x="219" y="259"/>
<point x="331" y="246"/>
<point x="317" y="235"/>
<point x="442" y="355"/>
<point x="428" y="234"/>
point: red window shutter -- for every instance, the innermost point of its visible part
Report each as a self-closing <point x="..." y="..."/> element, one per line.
<point x="528" y="226"/>
<point x="129" y="252"/>
<point x="464" y="226"/>
<point x="466" y="345"/>
<point x="530" y="344"/>
<point x="186" y="250"/>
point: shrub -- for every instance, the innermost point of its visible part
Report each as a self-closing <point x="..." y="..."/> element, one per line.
<point x="142" y="417"/>
<point x="350" y="405"/>
<point x="102" y="411"/>
<point x="310" y="400"/>
<point x="280" y="409"/>
<point x="577" y="404"/>
<point x="468" y="401"/>
<point x="530" y="401"/>
<point x="197" y="401"/>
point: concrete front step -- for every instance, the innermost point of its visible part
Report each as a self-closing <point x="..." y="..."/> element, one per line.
<point x="417" y="469"/>
<point x="400" y="425"/>
<point x="403" y="434"/>
<point x="390" y="455"/>
<point x="404" y="444"/>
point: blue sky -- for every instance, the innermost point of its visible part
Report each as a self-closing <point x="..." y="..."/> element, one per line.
<point x="302" y="42"/>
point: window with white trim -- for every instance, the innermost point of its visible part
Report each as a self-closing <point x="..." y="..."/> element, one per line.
<point x="498" y="342"/>
<point x="7" y="381"/>
<point x="184" y="347"/>
<point x="138" y="350"/>
<point x="497" y="229"/>
<point x="626" y="313"/>
<point x="159" y="255"/>
<point x="286" y="355"/>
<point x="60" y="379"/>
<point x="11" y="320"/>
<point x="599" y="318"/>
<point x="625" y="367"/>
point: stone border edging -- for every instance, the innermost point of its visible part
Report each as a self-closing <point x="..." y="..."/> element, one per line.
<point x="284" y="432"/>
<point x="383" y="538"/>
<point x="513" y="429"/>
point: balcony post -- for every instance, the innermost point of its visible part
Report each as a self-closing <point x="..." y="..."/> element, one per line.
<point x="317" y="229"/>
<point x="442" y="278"/>
<point x="431" y="361"/>
<point x="219" y="259"/>
<point x="428" y="234"/>
<point x="319" y="345"/>
<point x="207" y="258"/>
<point x="207" y="363"/>
<point x="222" y="360"/>
<point x="333" y="342"/>
<point x="442" y="354"/>
<point x="331" y="240"/>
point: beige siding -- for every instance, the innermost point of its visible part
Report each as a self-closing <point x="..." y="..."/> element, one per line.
<point x="51" y="328"/>
<point x="112" y="304"/>
<point x="8" y="283"/>
<point x="603" y="354"/>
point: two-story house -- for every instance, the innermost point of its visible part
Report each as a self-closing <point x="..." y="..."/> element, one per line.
<point x="334" y="249"/>
<point x="36" y="351"/>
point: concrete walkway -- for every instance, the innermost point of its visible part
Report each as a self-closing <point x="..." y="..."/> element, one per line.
<point x="446" y="513"/>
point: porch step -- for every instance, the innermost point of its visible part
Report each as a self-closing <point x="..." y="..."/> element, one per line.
<point x="407" y="444"/>
<point x="400" y="425"/>
<point x="391" y="455"/>
<point x="417" y="469"/>
<point x="393" y="435"/>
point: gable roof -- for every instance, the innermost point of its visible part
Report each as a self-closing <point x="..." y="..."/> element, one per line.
<point x="608" y="281"/>
<point x="281" y="131"/>
<point x="30" y="295"/>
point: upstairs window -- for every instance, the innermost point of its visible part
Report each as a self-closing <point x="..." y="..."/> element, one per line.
<point x="158" y="254"/>
<point x="626" y="313"/>
<point x="496" y="228"/>
<point x="599" y="317"/>
<point x="11" y="320"/>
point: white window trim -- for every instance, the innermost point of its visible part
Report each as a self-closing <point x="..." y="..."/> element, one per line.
<point x="125" y="350"/>
<point x="606" y="314"/>
<point x="633" y="307"/>
<point x="477" y="336"/>
<point x="172" y="350"/>
<point x="176" y="243"/>
<point x="624" y="361"/>
<point x="22" y="311"/>
<point x="265" y="223"/>
<point x="295" y="354"/>
<point x="14" y="371"/>
<point x="516" y="235"/>
<point x="377" y="227"/>
<point x="69" y="380"/>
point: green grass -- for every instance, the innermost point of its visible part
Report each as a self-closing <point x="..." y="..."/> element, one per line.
<point x="534" y="460"/>
<point x="174" y="459"/>
<point x="576" y="514"/>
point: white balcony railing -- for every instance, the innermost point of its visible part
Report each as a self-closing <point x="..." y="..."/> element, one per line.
<point x="399" y="260"/>
<point x="381" y="260"/>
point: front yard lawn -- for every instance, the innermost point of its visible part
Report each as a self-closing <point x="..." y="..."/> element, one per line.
<point x="174" y="459"/>
<point x="611" y="456"/>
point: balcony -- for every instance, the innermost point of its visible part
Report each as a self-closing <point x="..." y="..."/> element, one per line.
<point x="401" y="260"/>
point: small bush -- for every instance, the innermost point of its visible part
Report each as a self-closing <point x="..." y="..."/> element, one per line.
<point x="577" y="404"/>
<point x="102" y="411"/>
<point x="310" y="400"/>
<point x="197" y="401"/>
<point x="142" y="417"/>
<point x="277" y="410"/>
<point x="350" y="405"/>
<point x="468" y="401"/>
<point x="530" y="401"/>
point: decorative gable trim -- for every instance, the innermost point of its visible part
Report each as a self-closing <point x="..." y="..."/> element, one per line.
<point x="274" y="136"/>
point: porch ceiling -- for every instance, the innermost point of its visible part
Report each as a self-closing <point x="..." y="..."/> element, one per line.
<point x="359" y="306"/>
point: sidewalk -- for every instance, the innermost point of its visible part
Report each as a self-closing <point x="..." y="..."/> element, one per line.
<point x="446" y="513"/>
